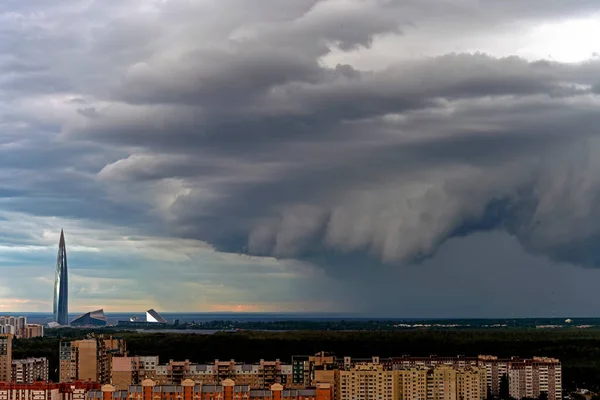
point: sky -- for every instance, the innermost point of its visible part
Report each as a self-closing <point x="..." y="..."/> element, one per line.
<point x="406" y="158"/>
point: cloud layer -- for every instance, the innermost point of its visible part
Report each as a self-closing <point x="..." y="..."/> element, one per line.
<point x="350" y="135"/>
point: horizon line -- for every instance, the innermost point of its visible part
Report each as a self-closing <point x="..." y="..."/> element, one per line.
<point x="326" y="313"/>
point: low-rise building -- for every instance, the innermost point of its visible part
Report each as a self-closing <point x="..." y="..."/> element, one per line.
<point x="46" y="391"/>
<point x="227" y="390"/>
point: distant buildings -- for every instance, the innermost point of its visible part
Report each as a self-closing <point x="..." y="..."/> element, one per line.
<point x="153" y="316"/>
<point x="92" y="318"/>
<point x="30" y="370"/>
<point x="6" y="357"/>
<point x="89" y="359"/>
<point x="18" y="327"/>
<point x="61" y="285"/>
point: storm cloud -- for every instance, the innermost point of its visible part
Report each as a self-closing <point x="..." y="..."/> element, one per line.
<point x="350" y="136"/>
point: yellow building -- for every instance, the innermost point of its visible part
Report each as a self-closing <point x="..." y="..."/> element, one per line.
<point x="365" y="382"/>
<point x="412" y="383"/>
<point x="441" y="382"/>
<point x="471" y="384"/>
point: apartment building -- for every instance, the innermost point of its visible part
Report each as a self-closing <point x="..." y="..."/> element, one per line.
<point x="366" y="382"/>
<point x="6" y="357"/>
<point x="132" y="370"/>
<point x="403" y="378"/>
<point x="495" y="368"/>
<point x="470" y="383"/>
<point x="413" y="384"/>
<point x="260" y="375"/>
<point x="46" y="391"/>
<point x="529" y="378"/>
<point x="227" y="390"/>
<point x="30" y="370"/>
<point x="89" y="359"/>
<point x="304" y="367"/>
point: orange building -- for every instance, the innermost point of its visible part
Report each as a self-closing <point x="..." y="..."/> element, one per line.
<point x="227" y="390"/>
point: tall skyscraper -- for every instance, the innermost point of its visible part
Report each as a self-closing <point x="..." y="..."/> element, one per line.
<point x="61" y="285"/>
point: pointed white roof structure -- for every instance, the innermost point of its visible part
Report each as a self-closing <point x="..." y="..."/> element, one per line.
<point x="153" y="316"/>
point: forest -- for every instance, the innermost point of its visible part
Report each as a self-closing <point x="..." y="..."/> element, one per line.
<point x="578" y="350"/>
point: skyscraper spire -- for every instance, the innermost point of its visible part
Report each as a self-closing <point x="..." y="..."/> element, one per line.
<point x="61" y="284"/>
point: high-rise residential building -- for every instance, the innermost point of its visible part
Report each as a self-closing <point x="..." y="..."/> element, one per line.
<point x="528" y="378"/>
<point x="495" y="368"/>
<point x="61" y="285"/>
<point x="442" y="382"/>
<point x="89" y="359"/>
<point x="366" y="382"/>
<point x="47" y="391"/>
<point x="412" y="384"/>
<point x="30" y="370"/>
<point x="5" y="357"/>
<point x="226" y="390"/>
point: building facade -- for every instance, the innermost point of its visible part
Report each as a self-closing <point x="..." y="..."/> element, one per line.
<point x="402" y="378"/>
<point x="227" y="390"/>
<point x="259" y="375"/>
<point x="30" y="370"/>
<point x="61" y="285"/>
<point x="304" y="367"/>
<point x="366" y="382"/>
<point x="6" y="357"/>
<point x="46" y="391"/>
<point x="548" y="370"/>
<point x="529" y="378"/>
<point x="128" y="371"/>
<point x="89" y="359"/>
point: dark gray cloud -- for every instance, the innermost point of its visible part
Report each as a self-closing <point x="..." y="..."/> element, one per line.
<point x="235" y="123"/>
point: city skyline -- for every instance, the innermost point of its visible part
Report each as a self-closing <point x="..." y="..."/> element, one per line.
<point x="405" y="158"/>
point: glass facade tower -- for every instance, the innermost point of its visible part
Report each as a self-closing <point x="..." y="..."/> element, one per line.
<point x="61" y="285"/>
